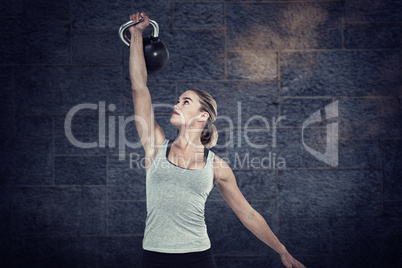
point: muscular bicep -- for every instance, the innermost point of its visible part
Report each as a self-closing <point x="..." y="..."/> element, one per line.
<point x="148" y="130"/>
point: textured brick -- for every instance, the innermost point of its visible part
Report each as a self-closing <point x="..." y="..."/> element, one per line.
<point x="33" y="126"/>
<point x="75" y="252"/>
<point x="5" y="220"/>
<point x="5" y="250"/>
<point x="40" y="262"/>
<point x="59" y="211"/>
<point x="359" y="154"/>
<point x="229" y="236"/>
<point x="241" y="262"/>
<point x="126" y="179"/>
<point x="341" y="73"/>
<point x="115" y="13"/>
<point x="352" y="153"/>
<point x="298" y="110"/>
<point x="5" y="197"/>
<point x="393" y="209"/>
<point x="198" y="15"/>
<point x="5" y="226"/>
<point x="127" y="217"/>
<point x="256" y="185"/>
<point x="252" y="65"/>
<point x="329" y="193"/>
<point x="45" y="41"/>
<point x="247" y="150"/>
<point x="7" y="102"/>
<point x="27" y="161"/>
<point x="284" y="26"/>
<point x="84" y="129"/>
<point x="11" y="50"/>
<point x="43" y="8"/>
<point x="241" y="104"/>
<point x="97" y="47"/>
<point x="259" y="60"/>
<point x="10" y="8"/>
<point x="381" y="10"/>
<point x="286" y="150"/>
<point x="392" y="169"/>
<point x="367" y="243"/>
<point x="80" y="170"/>
<point x="26" y="250"/>
<point x="109" y="251"/>
<point x="305" y="237"/>
<point x="370" y="118"/>
<point x="193" y="55"/>
<point x="369" y="36"/>
<point x="56" y="90"/>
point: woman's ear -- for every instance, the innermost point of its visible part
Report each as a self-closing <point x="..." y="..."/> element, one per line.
<point x="204" y="116"/>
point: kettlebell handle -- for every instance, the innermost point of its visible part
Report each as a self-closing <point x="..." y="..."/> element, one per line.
<point x="124" y="28"/>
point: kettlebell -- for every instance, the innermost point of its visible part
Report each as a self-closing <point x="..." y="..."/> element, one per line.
<point x="156" y="53"/>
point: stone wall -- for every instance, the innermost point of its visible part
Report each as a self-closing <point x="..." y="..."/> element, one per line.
<point x="270" y="65"/>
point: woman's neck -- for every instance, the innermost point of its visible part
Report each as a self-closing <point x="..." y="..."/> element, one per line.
<point x="189" y="140"/>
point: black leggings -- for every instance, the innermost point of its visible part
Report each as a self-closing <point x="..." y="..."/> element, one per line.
<point x="202" y="259"/>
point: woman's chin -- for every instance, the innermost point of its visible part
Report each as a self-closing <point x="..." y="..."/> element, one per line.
<point x="175" y="122"/>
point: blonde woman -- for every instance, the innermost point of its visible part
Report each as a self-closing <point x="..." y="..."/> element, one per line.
<point x="181" y="173"/>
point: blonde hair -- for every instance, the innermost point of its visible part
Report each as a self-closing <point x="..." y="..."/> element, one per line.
<point x="209" y="135"/>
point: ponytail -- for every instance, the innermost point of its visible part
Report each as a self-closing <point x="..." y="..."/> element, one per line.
<point x="209" y="135"/>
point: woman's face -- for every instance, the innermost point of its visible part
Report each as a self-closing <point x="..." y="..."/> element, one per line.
<point x="187" y="111"/>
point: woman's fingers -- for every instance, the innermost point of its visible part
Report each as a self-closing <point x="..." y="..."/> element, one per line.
<point x="140" y="20"/>
<point x="138" y="16"/>
<point x="143" y="15"/>
<point x="135" y="17"/>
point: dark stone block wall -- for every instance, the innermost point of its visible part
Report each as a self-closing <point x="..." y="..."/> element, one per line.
<point x="270" y="65"/>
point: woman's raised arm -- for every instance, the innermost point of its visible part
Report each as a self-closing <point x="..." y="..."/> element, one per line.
<point x="149" y="131"/>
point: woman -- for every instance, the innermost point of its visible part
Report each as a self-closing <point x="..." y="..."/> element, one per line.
<point x="181" y="173"/>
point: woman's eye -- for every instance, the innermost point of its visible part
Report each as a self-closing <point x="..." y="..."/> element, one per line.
<point x="186" y="101"/>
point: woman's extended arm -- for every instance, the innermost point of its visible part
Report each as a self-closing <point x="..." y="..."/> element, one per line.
<point x="251" y="219"/>
<point x="148" y="130"/>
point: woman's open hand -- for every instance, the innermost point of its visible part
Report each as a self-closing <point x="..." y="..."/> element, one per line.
<point x="290" y="262"/>
<point x="140" y="27"/>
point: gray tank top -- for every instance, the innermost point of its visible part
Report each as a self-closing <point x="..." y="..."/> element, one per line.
<point x="175" y="205"/>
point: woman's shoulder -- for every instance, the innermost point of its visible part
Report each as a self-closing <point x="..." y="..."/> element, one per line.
<point x="222" y="170"/>
<point x="221" y="164"/>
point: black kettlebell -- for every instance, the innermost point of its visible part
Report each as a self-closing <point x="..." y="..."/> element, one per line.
<point x="156" y="53"/>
